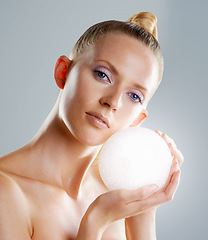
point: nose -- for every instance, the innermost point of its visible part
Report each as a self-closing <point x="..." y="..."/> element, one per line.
<point x="112" y="100"/>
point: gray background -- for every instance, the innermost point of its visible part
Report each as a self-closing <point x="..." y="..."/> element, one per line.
<point x="33" y="34"/>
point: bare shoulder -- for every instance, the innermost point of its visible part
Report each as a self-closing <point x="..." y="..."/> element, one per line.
<point x="15" y="216"/>
<point x="9" y="188"/>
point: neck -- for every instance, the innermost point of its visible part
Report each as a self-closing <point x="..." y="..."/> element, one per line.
<point x="60" y="159"/>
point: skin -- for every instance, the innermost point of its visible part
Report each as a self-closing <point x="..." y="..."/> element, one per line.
<point x="51" y="188"/>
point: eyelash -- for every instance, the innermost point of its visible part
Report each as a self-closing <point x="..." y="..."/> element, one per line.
<point x="139" y="98"/>
<point x="98" y="73"/>
<point x="105" y="74"/>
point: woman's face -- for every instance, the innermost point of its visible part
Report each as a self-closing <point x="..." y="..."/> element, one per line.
<point x="108" y="87"/>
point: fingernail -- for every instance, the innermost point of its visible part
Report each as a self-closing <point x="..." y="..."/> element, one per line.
<point x="158" y="132"/>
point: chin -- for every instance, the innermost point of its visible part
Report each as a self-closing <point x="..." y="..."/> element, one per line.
<point x="87" y="135"/>
<point x="92" y="140"/>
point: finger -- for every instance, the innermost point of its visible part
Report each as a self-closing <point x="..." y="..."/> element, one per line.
<point x="168" y="194"/>
<point x="177" y="154"/>
<point x="172" y="187"/>
<point x="173" y="148"/>
<point x="158" y="132"/>
<point x="173" y="169"/>
<point x="168" y="140"/>
<point x="159" y="197"/>
<point x="140" y="194"/>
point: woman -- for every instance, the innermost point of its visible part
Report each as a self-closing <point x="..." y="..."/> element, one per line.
<point x="51" y="187"/>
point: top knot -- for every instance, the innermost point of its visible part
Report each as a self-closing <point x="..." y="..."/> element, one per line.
<point x="146" y="20"/>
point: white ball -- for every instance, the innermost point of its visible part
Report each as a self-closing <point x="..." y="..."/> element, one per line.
<point x="133" y="158"/>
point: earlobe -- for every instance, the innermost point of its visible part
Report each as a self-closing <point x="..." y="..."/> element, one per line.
<point x="142" y="116"/>
<point x="60" y="71"/>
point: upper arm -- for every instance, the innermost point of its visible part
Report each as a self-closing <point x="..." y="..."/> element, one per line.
<point x="14" y="213"/>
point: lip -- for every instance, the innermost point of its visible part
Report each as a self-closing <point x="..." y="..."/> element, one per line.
<point x="99" y="119"/>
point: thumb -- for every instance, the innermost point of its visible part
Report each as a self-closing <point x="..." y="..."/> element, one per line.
<point x="147" y="191"/>
<point x="141" y="193"/>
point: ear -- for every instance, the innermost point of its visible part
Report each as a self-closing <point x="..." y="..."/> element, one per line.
<point x="142" y="116"/>
<point x="60" y="71"/>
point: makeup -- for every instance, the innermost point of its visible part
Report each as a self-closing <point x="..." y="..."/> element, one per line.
<point x="103" y="74"/>
<point x="98" y="120"/>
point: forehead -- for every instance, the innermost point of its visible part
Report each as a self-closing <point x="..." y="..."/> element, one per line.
<point x="131" y="58"/>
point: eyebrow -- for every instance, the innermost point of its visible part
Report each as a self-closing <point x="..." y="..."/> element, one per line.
<point x="113" y="68"/>
<point x="138" y="86"/>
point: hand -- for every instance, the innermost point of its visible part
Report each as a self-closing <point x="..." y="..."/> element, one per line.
<point x="176" y="153"/>
<point x="177" y="160"/>
<point x="109" y="207"/>
<point x="123" y="203"/>
<point x="176" y="163"/>
<point x="142" y="226"/>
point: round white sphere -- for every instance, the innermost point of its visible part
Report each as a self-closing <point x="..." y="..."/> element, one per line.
<point x="133" y="158"/>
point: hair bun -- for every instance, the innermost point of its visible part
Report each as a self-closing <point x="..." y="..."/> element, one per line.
<point x="147" y="20"/>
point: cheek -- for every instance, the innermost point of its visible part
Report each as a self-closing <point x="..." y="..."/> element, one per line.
<point x="127" y="115"/>
<point x="78" y="93"/>
<point x="68" y="102"/>
<point x="65" y="108"/>
<point x="85" y="84"/>
<point x="75" y="89"/>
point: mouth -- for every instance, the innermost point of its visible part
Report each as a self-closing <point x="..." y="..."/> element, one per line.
<point x="99" y="118"/>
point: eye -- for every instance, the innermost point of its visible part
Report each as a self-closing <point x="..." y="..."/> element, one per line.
<point x="137" y="98"/>
<point x="103" y="74"/>
<point x="134" y="97"/>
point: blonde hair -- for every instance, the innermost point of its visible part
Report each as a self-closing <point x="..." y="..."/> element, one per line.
<point x="142" y="26"/>
<point x="146" y="20"/>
